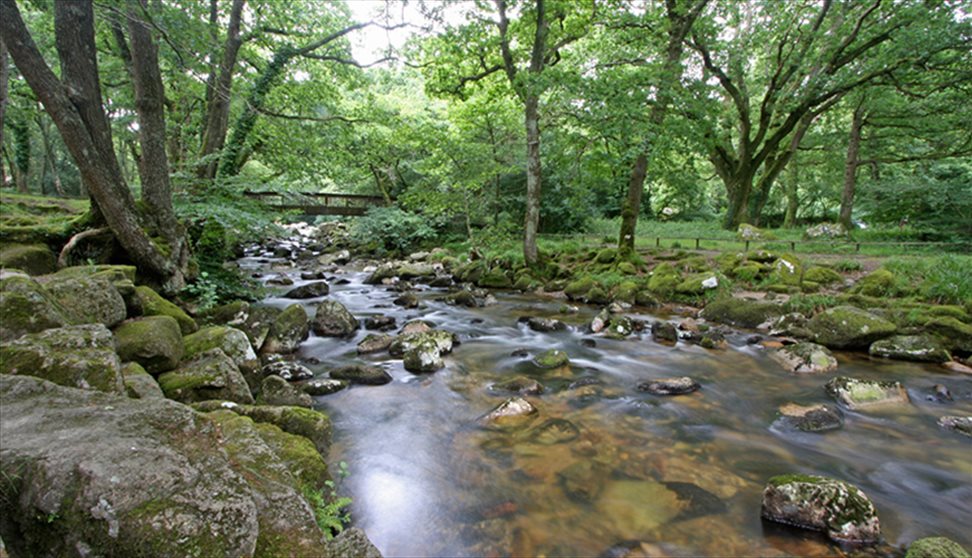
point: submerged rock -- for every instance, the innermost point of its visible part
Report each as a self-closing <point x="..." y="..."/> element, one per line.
<point x="858" y="394"/>
<point x="849" y="327"/>
<point x="554" y="431"/>
<point x="512" y="413"/>
<point x="837" y="508"/>
<point x="583" y="480"/>
<point x="812" y="418"/>
<point x="521" y="385"/>
<point x="962" y="425"/>
<point x="936" y="547"/>
<point x="362" y="374"/>
<point x="74" y="356"/>
<point x="381" y="323"/>
<point x="805" y="358"/>
<point x="917" y="348"/>
<point x="669" y="386"/>
<point x="310" y="290"/>
<point x="333" y="320"/>
<point x="551" y="358"/>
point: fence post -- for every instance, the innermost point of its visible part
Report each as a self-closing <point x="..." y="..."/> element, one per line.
<point x="657" y="241"/>
<point x="792" y="246"/>
<point x="747" y="246"/>
<point x="696" y="244"/>
<point x="858" y="248"/>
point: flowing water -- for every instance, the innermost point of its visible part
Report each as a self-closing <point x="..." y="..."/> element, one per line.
<point x="682" y="474"/>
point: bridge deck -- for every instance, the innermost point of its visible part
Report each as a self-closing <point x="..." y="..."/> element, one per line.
<point x="318" y="203"/>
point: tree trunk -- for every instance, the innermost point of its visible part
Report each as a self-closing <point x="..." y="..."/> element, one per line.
<point x="21" y="152"/>
<point x="218" y="107"/>
<point x="792" y="201"/>
<point x="4" y="100"/>
<point x="84" y="125"/>
<point x="850" y="168"/>
<point x="738" y="188"/>
<point x="532" y="222"/>
<point x="632" y="204"/>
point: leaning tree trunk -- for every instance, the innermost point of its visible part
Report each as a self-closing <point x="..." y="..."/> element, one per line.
<point x="83" y="124"/>
<point x="532" y="221"/>
<point x="792" y="201"/>
<point x="850" y="168"/>
<point x="218" y="108"/>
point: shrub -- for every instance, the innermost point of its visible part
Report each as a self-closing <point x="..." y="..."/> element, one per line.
<point x="393" y="230"/>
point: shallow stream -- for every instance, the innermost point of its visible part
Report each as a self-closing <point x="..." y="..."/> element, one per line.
<point x="670" y="475"/>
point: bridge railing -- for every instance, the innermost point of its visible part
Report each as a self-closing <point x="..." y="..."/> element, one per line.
<point x="318" y="203"/>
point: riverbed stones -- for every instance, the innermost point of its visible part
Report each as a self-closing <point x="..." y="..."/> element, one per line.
<point x="333" y="320"/>
<point x="664" y="332"/>
<point x="380" y="323"/>
<point x="811" y="418"/>
<point x="849" y="327"/>
<point x="545" y="325"/>
<point x="74" y="356"/>
<point x="554" y="431"/>
<point x="917" y="348"/>
<point x="277" y="391"/>
<point x="424" y="354"/>
<point x="551" y="358"/>
<point x="669" y="386"/>
<point x="955" y="335"/>
<point x="962" y="425"/>
<point x="362" y="374"/>
<point x="839" y="509"/>
<point x="856" y="394"/>
<point x="287" y="331"/>
<point x="936" y="547"/>
<point x="442" y="340"/>
<point x="288" y="370"/>
<point x="155" y="342"/>
<point x="805" y="358"/>
<point x="521" y="385"/>
<point x="208" y="375"/>
<point x="416" y="326"/>
<point x="374" y="343"/>
<point x="740" y="312"/>
<point x="310" y="290"/>
<point x="619" y="327"/>
<point x="26" y="307"/>
<point x="513" y="413"/>
<point x="407" y="300"/>
<point x="583" y="480"/>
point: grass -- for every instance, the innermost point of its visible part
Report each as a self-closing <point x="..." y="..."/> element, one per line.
<point x="944" y="280"/>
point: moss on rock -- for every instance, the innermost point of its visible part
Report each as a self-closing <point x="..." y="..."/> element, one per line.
<point x="139" y="384"/>
<point x="154" y="305"/>
<point x="917" y="348"/>
<point x="822" y="275"/>
<point x="26" y="307"/>
<point x="837" y="508"/>
<point x="848" y="327"/>
<point x="87" y="299"/>
<point x="495" y="278"/>
<point x="35" y="259"/>
<point x="552" y="358"/>
<point x="740" y="312"/>
<point x="74" y="356"/>
<point x="208" y="375"/>
<point x="578" y="288"/>
<point x="953" y="333"/>
<point x="155" y="342"/>
<point x="879" y="282"/>
<point x="936" y="547"/>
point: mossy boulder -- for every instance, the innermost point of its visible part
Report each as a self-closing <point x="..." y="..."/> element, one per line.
<point x="87" y="299"/>
<point x="470" y="272"/>
<point x="740" y="312"/>
<point x="154" y="305"/>
<point x="551" y="358"/>
<point x="423" y="356"/>
<point x="310" y="290"/>
<point x="936" y="547"/>
<point x="954" y="334"/>
<point x="627" y="268"/>
<point x="727" y="261"/>
<point x="90" y="470"/>
<point x="839" y="509"/>
<point x="578" y="288"/>
<point x="805" y="358"/>
<point x="917" y="348"/>
<point x="233" y="342"/>
<point x="332" y="319"/>
<point x="442" y="340"/>
<point x="232" y="313"/>
<point x="879" y="282"/>
<point x="155" y="342"/>
<point x="27" y="307"/>
<point x="311" y="424"/>
<point x="35" y="259"/>
<point x="208" y="375"/>
<point x="664" y="279"/>
<point x="74" y="356"/>
<point x="858" y="394"/>
<point x="362" y="374"/>
<point x="606" y="256"/>
<point x="495" y="278"/>
<point x="788" y="270"/>
<point x="626" y="291"/>
<point x="277" y="391"/>
<point x="849" y="327"/>
<point x="287" y="331"/>
<point x="747" y="272"/>
<point x="139" y="384"/>
<point x="821" y="275"/>
<point x="257" y="325"/>
<point x="698" y="284"/>
<point x="749" y="232"/>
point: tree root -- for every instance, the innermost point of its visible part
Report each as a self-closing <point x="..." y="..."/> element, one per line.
<point x="62" y="258"/>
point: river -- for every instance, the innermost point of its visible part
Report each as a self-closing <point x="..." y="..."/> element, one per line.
<point x="671" y="476"/>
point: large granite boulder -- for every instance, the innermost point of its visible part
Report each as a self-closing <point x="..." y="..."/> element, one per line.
<point x="27" y="307"/>
<point x="918" y="348"/>
<point x="277" y="391"/>
<point x="311" y="424"/>
<point x="231" y="341"/>
<point x="35" y="259"/>
<point x="333" y="320"/>
<point x="837" y="508"/>
<point x="740" y="312"/>
<point x="87" y="472"/>
<point x="208" y="375"/>
<point x="287" y="331"/>
<point x="154" y="305"/>
<point x="849" y="327"/>
<point x="74" y="356"/>
<point x="139" y="384"/>
<point x="87" y="299"/>
<point x="155" y="342"/>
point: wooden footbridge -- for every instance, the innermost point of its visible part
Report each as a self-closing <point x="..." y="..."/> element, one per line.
<point x="316" y="203"/>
